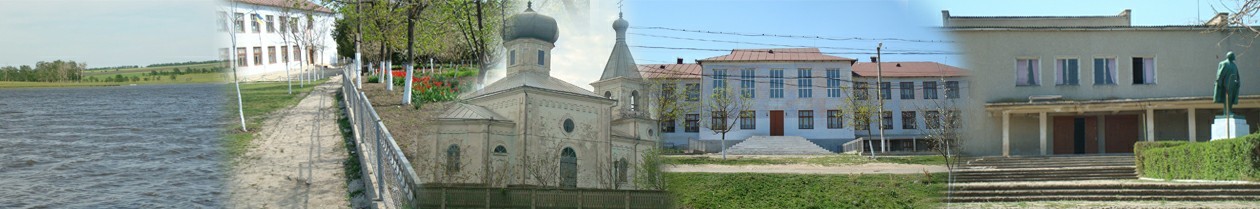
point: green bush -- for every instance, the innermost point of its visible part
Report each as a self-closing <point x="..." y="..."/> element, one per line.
<point x="374" y="79"/>
<point x="1229" y="159"/>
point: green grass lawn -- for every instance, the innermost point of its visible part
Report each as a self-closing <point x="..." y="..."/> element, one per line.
<point x="825" y="160"/>
<point x="111" y="72"/>
<point x="260" y="100"/>
<point x="758" y="190"/>
<point x="138" y="72"/>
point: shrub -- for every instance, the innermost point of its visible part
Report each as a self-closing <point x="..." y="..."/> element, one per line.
<point x="374" y="79"/>
<point x="1229" y="159"/>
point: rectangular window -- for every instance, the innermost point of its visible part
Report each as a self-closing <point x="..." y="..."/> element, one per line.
<point x="833" y="83"/>
<point x="542" y="57"/>
<point x="719" y="80"/>
<point x="951" y="119"/>
<point x="834" y="119"/>
<point x="909" y="120"/>
<point x="747" y="86"/>
<point x="1027" y="73"/>
<point x="669" y="91"/>
<point x="253" y="21"/>
<point x="859" y="90"/>
<point x="310" y="23"/>
<point x="907" y="90"/>
<point x="271" y="54"/>
<point x="1143" y="70"/>
<point x="239" y="21"/>
<point x="667" y="125"/>
<point x="271" y="24"/>
<point x="885" y="90"/>
<point x="717" y="121"/>
<point x="862" y="120"/>
<point x="886" y="120"/>
<point x="297" y="53"/>
<point x="805" y="119"/>
<point x="512" y="57"/>
<point x="223" y="24"/>
<point x="805" y="83"/>
<point x="693" y="92"/>
<point x="241" y="61"/>
<point x="1105" y="71"/>
<point x="692" y="124"/>
<point x="258" y="56"/>
<point x="929" y="90"/>
<point x="293" y="24"/>
<point x="1066" y="72"/>
<point x="747" y="120"/>
<point x="776" y="83"/>
<point x="951" y="90"/>
<point x="284" y="55"/>
<point x="932" y="119"/>
<point x="283" y="21"/>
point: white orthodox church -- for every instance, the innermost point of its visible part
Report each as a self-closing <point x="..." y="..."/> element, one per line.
<point x="532" y="129"/>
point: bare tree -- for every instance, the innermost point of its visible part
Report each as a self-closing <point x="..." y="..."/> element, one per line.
<point x="724" y="108"/>
<point x="859" y="104"/>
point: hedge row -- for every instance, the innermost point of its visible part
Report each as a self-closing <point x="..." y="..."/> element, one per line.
<point x="1229" y="159"/>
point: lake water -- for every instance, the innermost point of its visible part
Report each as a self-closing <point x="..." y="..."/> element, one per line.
<point x="112" y="147"/>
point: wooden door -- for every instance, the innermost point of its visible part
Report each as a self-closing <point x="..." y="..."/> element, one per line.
<point x="1122" y="132"/>
<point x="1075" y="134"/>
<point x="776" y="123"/>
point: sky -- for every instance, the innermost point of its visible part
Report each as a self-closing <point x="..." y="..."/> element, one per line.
<point x="581" y="52"/>
<point x="1144" y="12"/>
<point x="107" y="33"/>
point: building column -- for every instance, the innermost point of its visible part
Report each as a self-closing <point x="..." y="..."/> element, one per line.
<point x="1043" y="133"/>
<point x="1006" y="133"/>
<point x="1150" y="124"/>
<point x="1193" y="127"/>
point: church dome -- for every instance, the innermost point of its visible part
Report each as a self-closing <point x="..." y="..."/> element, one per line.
<point x="530" y="24"/>
<point x="620" y="25"/>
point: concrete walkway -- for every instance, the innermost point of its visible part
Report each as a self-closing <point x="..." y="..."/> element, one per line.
<point x="296" y="161"/>
<point x="868" y="168"/>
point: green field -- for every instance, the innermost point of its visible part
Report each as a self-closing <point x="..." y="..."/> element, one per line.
<point x="260" y="100"/>
<point x="757" y="190"/>
<point x="824" y="160"/>
<point x="129" y="72"/>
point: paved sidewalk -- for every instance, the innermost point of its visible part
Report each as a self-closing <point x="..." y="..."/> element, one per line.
<point x="868" y="168"/>
<point x="296" y="161"/>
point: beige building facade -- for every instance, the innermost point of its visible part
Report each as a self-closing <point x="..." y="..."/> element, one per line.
<point x="1045" y="85"/>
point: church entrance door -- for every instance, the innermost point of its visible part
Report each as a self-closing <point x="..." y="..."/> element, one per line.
<point x="776" y="123"/>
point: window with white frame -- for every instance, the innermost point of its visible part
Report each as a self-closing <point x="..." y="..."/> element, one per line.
<point x="886" y="120"/>
<point x="929" y="90"/>
<point x="951" y="89"/>
<point x="271" y="24"/>
<point x="907" y="90"/>
<point x="719" y="80"/>
<point x="805" y="119"/>
<point x="859" y="90"/>
<point x="835" y="120"/>
<point x="833" y="83"/>
<point x="1105" y="71"/>
<point x="693" y="92"/>
<point x="1027" y="72"/>
<point x="1143" y="70"/>
<point x="748" y="120"/>
<point x="747" y="84"/>
<point x="776" y="83"/>
<point x="885" y="90"/>
<point x="804" y="83"/>
<point x="909" y="120"/>
<point x="1066" y="72"/>
<point x="283" y="20"/>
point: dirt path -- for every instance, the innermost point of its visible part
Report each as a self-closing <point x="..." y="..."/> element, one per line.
<point x="296" y="161"/>
<point x="869" y="168"/>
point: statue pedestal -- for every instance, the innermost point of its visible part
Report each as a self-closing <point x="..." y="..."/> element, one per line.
<point x="1227" y="127"/>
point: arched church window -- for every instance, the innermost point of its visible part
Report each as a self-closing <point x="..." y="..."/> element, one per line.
<point x="634" y="101"/>
<point x="512" y="57"/>
<point x="623" y="169"/>
<point x="568" y="168"/>
<point x="542" y="57"/>
<point x="608" y="94"/>
<point x="500" y="150"/>
<point x="568" y="125"/>
<point x="452" y="159"/>
<point x="650" y="133"/>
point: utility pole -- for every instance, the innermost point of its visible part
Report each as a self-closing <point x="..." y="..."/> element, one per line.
<point x="879" y="84"/>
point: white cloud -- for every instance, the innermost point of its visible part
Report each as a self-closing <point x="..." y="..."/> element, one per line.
<point x="582" y="51"/>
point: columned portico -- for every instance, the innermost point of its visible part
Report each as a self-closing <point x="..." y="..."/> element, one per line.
<point x="1150" y="124"/>
<point x="1190" y="116"/>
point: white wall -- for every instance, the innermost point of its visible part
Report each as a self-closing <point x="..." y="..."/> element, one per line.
<point x="320" y="38"/>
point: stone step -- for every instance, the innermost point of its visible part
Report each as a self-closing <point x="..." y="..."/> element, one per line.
<point x="1102" y="185"/>
<point x="1048" y="179"/>
<point x="1111" y="191"/>
<point x="1016" y="177"/>
<point x="1105" y="198"/>
<point x="776" y="145"/>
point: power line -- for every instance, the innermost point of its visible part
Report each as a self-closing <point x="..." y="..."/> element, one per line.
<point x="793" y="36"/>
<point x="767" y="50"/>
<point x="780" y="45"/>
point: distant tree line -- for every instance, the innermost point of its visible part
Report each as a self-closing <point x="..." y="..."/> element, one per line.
<point x="114" y="67"/>
<point x="156" y="75"/>
<point x="55" y="71"/>
<point x="184" y="63"/>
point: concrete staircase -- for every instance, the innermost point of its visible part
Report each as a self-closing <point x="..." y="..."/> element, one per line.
<point x="1079" y="178"/>
<point x="776" y="145"/>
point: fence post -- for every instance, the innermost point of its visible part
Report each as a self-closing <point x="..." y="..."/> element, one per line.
<point x="627" y="199"/>
<point x="380" y="174"/>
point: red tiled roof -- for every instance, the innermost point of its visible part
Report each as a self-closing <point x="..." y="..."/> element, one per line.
<point x="909" y="69"/>
<point x="781" y="54"/>
<point x="305" y="4"/>
<point x="685" y="71"/>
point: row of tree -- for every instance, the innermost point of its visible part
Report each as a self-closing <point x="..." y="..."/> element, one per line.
<point x="184" y="63"/>
<point x="55" y="71"/>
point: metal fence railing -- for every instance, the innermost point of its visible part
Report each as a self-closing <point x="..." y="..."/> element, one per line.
<point x="387" y="172"/>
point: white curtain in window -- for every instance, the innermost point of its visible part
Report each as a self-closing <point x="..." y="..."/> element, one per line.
<point x="1148" y="65"/>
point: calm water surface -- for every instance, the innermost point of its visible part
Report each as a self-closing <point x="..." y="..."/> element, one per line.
<point x="112" y="147"/>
